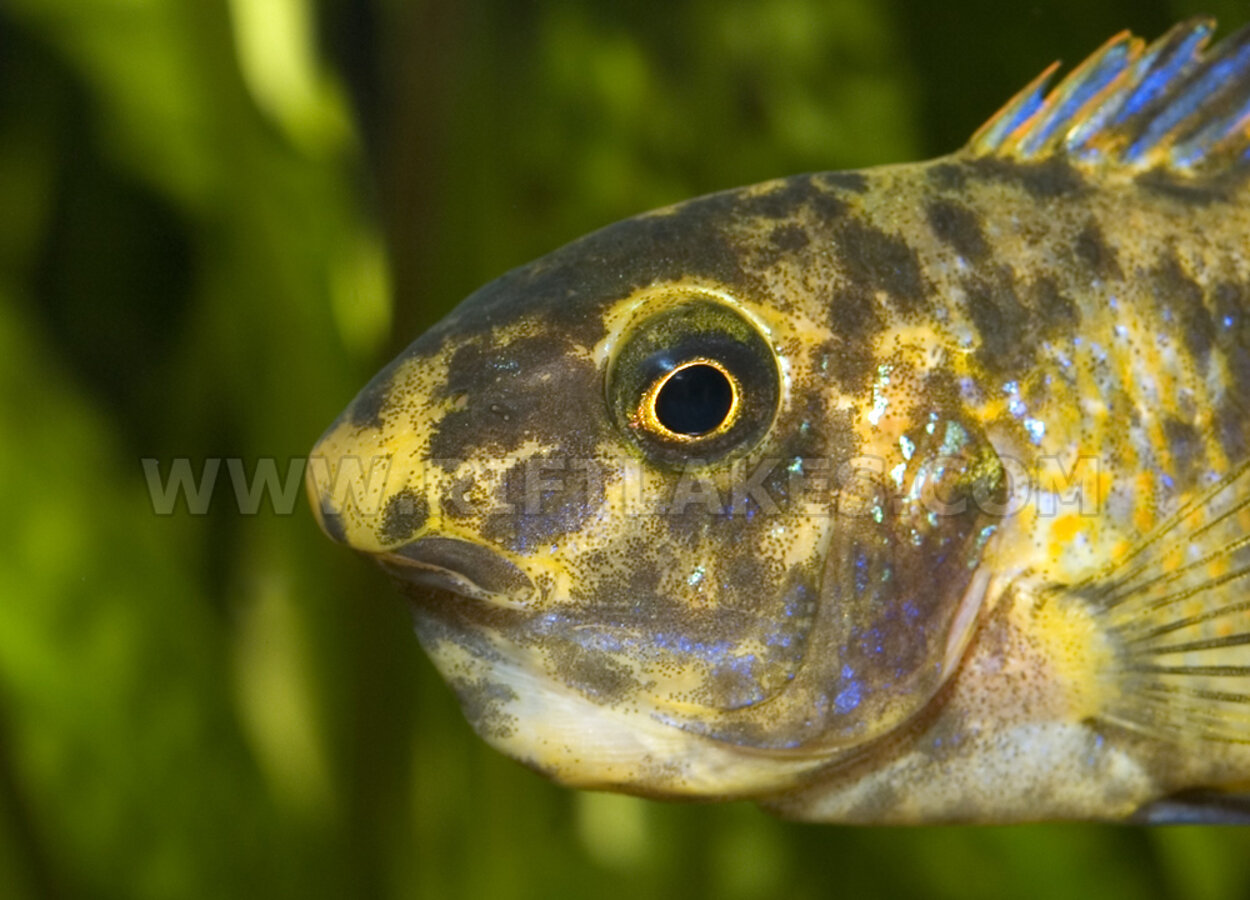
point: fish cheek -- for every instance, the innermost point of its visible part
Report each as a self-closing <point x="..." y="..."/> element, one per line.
<point x="543" y="498"/>
<point x="713" y="624"/>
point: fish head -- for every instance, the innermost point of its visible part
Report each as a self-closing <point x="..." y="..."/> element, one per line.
<point x="613" y="486"/>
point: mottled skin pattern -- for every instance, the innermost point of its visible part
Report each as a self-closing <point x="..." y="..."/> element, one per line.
<point x="1081" y="342"/>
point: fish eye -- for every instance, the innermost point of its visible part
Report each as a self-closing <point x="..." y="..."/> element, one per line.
<point x="693" y="400"/>
<point x="696" y="381"/>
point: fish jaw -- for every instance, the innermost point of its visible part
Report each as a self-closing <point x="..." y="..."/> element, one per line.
<point x="515" y="705"/>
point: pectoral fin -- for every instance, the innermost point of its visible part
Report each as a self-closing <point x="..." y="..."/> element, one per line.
<point x="1177" y="608"/>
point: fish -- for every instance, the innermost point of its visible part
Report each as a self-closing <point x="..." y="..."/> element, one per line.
<point x="911" y="494"/>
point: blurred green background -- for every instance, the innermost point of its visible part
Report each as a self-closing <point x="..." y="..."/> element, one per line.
<point x="217" y="219"/>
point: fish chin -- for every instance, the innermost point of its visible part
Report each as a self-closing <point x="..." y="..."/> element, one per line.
<point x="557" y="731"/>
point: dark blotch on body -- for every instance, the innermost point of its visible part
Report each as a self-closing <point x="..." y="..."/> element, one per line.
<point x="468" y="369"/>
<point x="851" y="364"/>
<point x="1231" y="421"/>
<point x="1175" y="290"/>
<point x="535" y="388"/>
<point x="1092" y="250"/>
<point x="748" y="578"/>
<point x="1196" y="192"/>
<point x="1052" y="177"/>
<point x="636" y="603"/>
<point x="440" y="616"/>
<point x="959" y="227"/>
<point x="548" y="497"/>
<point x="1229" y="316"/>
<point x="405" y="512"/>
<point x="876" y="261"/>
<point x="615" y="598"/>
<point x="789" y="238"/>
<point x="594" y="674"/>
<point x="947" y="176"/>
<point x="1231" y="417"/>
<point x="1058" y="313"/>
<point x="810" y="430"/>
<point x="1001" y="322"/>
<point x="785" y="200"/>
<point x="855" y="316"/>
<point x="1185" y="445"/>
<point x="1229" y="302"/>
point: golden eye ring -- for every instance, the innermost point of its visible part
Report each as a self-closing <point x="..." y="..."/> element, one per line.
<point x="719" y="391"/>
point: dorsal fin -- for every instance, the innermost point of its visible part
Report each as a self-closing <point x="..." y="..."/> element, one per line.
<point x="1175" y="105"/>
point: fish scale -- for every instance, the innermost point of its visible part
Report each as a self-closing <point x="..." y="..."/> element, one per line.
<point x="916" y="494"/>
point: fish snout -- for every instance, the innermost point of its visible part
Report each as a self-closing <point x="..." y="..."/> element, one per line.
<point x="325" y="513"/>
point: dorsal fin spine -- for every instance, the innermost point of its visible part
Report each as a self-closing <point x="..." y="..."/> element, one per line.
<point x="1191" y="100"/>
<point x="1169" y="59"/>
<point x="1172" y="105"/>
<point x="1015" y="112"/>
<point x="1212" y="136"/>
<point x="1080" y="91"/>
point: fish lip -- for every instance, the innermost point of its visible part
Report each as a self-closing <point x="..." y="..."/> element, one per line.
<point x="460" y="567"/>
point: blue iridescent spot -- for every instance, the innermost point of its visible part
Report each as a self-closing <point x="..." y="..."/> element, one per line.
<point x="861" y="572"/>
<point x="848" y="698"/>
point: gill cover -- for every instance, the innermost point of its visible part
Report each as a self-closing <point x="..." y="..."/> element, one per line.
<point x="901" y="587"/>
<point x="902" y="581"/>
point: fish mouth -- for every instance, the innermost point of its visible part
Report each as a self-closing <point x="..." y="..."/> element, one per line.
<point x="461" y="567"/>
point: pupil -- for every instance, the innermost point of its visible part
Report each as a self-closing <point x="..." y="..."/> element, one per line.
<point x="694" y="400"/>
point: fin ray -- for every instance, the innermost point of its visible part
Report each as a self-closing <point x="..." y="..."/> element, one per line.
<point x="1178" y="624"/>
<point x="1231" y="640"/>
